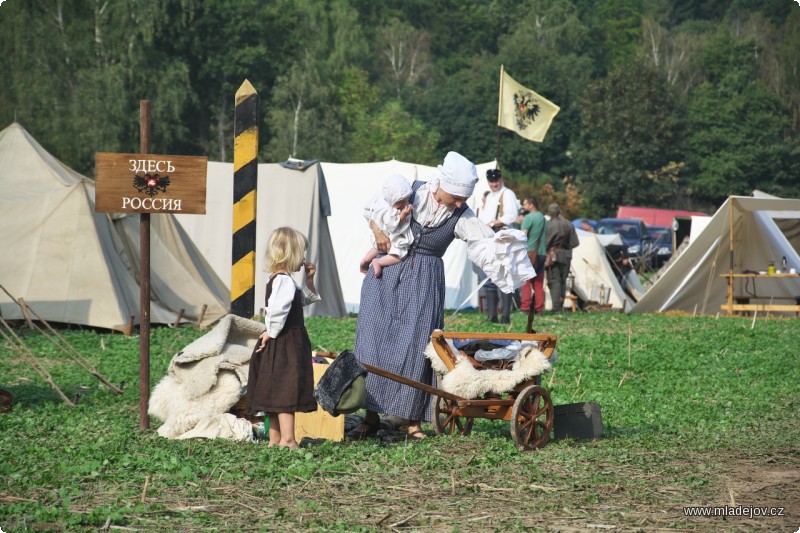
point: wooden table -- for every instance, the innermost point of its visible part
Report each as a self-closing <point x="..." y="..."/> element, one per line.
<point x="730" y="306"/>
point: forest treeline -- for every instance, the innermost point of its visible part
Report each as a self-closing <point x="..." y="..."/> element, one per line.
<point x="664" y="103"/>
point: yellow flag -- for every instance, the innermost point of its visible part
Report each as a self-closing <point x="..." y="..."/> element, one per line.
<point x="523" y="111"/>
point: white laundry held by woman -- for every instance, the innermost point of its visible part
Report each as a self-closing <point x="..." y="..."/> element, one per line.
<point x="504" y="259"/>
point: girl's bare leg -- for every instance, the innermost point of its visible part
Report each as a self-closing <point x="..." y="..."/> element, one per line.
<point x="274" y="430"/>
<point x="286" y="421"/>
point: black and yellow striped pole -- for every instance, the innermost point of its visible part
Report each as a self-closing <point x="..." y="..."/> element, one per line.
<point x="245" y="177"/>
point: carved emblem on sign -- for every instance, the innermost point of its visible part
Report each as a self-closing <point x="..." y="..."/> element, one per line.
<point x="151" y="185"/>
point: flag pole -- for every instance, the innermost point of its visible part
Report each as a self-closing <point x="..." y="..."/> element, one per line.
<point x="497" y="149"/>
<point x="499" y="118"/>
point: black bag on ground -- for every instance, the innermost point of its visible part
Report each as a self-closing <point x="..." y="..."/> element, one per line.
<point x="343" y="387"/>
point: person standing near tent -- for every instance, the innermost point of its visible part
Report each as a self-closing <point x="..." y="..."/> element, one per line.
<point x="534" y="226"/>
<point x="400" y="310"/>
<point x="561" y="239"/>
<point x="498" y="211"/>
<point x="280" y="379"/>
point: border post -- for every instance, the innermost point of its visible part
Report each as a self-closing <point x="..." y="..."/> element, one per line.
<point x="245" y="177"/>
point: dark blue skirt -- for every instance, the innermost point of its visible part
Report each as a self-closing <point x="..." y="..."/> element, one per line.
<point x="397" y="315"/>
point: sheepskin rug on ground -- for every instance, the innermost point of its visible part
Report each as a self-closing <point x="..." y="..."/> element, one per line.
<point x="468" y="382"/>
<point x="204" y="380"/>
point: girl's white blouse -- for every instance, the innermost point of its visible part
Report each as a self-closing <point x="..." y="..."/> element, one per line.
<point x="280" y="301"/>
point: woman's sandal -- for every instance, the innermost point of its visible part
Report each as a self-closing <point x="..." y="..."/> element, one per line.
<point x="363" y="430"/>
<point x="416" y="435"/>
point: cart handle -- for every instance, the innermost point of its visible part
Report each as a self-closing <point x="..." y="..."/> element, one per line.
<point x="424" y="387"/>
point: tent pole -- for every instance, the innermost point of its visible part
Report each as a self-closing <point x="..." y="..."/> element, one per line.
<point x="730" y="260"/>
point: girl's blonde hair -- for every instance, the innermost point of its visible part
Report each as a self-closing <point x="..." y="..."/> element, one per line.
<point x="286" y="250"/>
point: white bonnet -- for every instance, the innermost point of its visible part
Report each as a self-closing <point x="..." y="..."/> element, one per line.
<point x="457" y="176"/>
<point x="395" y="188"/>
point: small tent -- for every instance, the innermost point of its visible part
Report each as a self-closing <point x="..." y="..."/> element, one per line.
<point x="743" y="235"/>
<point x="293" y="195"/>
<point x="75" y="266"/>
<point x="593" y="275"/>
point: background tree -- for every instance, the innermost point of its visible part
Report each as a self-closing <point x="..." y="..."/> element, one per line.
<point x="406" y="53"/>
<point x="630" y="129"/>
<point x="712" y="84"/>
<point x="736" y="127"/>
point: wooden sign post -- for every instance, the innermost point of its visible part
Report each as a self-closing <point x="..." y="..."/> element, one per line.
<point x="144" y="183"/>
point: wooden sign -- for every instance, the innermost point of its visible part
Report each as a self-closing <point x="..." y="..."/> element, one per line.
<point x="148" y="183"/>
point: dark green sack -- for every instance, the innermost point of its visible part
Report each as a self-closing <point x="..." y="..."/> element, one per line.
<point x="352" y="398"/>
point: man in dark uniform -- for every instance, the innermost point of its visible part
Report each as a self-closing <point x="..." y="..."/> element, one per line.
<point x="561" y="239"/>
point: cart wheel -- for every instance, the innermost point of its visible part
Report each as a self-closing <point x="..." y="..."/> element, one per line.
<point x="532" y="418"/>
<point x="445" y="422"/>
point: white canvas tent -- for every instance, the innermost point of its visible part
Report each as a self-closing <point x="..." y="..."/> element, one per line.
<point x="297" y="198"/>
<point x="593" y="275"/>
<point x="788" y="222"/>
<point x="693" y="282"/>
<point x="75" y="266"/>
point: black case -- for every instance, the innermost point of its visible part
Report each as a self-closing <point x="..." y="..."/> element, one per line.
<point x="578" y="421"/>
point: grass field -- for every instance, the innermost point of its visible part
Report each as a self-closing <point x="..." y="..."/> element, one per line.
<point x="698" y="411"/>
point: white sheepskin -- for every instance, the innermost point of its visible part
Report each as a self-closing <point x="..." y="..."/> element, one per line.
<point x="181" y="413"/>
<point x="224" y="426"/>
<point x="227" y="346"/>
<point x="468" y="382"/>
<point x="204" y="380"/>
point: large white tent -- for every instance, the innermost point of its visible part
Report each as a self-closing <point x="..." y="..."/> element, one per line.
<point x="694" y="282"/>
<point x="75" y="266"/>
<point x="295" y="196"/>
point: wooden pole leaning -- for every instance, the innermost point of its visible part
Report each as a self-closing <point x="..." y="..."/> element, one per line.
<point x="19" y="346"/>
<point x="144" y="282"/>
<point x="63" y="345"/>
<point x="245" y="180"/>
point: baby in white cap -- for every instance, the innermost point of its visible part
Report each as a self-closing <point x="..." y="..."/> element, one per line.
<point x="391" y="212"/>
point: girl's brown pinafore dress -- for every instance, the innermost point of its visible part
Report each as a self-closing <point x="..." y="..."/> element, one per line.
<point x="280" y="377"/>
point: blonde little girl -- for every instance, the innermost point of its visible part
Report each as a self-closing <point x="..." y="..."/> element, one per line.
<point x="281" y="380"/>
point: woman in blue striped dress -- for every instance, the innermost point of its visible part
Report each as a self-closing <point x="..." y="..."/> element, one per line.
<point x="400" y="310"/>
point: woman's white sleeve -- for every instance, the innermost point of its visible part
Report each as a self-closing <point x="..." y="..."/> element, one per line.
<point x="279" y="303"/>
<point x="469" y="228"/>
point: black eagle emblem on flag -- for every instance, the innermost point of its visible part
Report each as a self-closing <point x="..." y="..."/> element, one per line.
<point x="527" y="108"/>
<point x="151" y="185"/>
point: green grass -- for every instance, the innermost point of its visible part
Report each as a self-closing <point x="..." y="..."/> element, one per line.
<point x="697" y="411"/>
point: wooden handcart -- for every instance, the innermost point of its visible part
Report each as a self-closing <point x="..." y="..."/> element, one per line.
<point x="527" y="406"/>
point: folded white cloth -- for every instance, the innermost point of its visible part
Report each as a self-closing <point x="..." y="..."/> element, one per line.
<point x="504" y="259"/>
